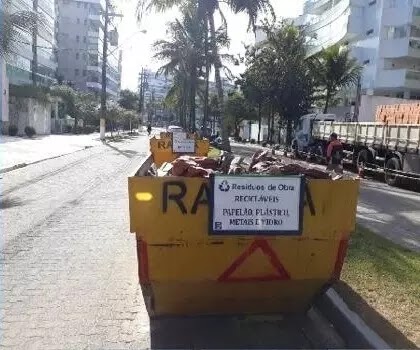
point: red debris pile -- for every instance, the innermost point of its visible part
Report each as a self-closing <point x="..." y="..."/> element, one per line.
<point x="194" y="166"/>
<point x="262" y="162"/>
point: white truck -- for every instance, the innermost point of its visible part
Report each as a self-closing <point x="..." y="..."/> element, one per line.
<point x="390" y="149"/>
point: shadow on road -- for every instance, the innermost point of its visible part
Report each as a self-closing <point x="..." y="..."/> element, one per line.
<point x="10" y="202"/>
<point x="376" y="321"/>
<point x="228" y="333"/>
<point x="125" y="153"/>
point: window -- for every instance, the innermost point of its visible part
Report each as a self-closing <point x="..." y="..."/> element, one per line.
<point x="78" y="21"/>
<point x="84" y="56"/>
<point x="84" y="72"/>
<point x="373" y="2"/>
<point x="84" y="39"/>
<point x="77" y="38"/>
<point x="369" y="32"/>
<point x="416" y="11"/>
<point x="85" y="22"/>
<point x="399" y="95"/>
<point x="76" y="72"/>
<point x="396" y="32"/>
<point x="366" y="62"/>
<point x="86" y="5"/>
<point x="77" y="56"/>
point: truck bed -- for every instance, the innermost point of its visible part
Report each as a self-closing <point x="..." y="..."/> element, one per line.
<point x="399" y="137"/>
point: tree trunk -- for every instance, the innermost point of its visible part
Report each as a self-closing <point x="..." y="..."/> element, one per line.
<point x="272" y="126"/>
<point x="219" y="86"/>
<point x="207" y="78"/>
<point x="193" y="89"/>
<point x="259" y="122"/>
<point x="289" y="131"/>
<point x="327" y="101"/>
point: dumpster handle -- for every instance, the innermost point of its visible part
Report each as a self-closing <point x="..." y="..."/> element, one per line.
<point x="309" y="201"/>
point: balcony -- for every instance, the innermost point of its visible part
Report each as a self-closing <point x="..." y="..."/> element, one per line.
<point x="399" y="78"/>
<point x="401" y="47"/>
<point x="343" y="22"/>
<point x="392" y="17"/>
<point x="316" y="7"/>
<point x="98" y="87"/>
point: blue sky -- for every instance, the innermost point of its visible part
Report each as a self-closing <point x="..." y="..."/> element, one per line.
<point x="137" y="47"/>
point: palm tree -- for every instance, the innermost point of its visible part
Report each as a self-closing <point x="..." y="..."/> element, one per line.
<point x="183" y="53"/>
<point x="335" y="70"/>
<point x="207" y="10"/>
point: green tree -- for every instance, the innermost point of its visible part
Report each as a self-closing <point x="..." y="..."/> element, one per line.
<point x="207" y="10"/>
<point x="78" y="105"/>
<point x="129" y="100"/>
<point x="278" y="75"/>
<point x="334" y="69"/>
<point x="237" y="109"/>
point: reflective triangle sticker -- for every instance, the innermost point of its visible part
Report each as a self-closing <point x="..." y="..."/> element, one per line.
<point x="258" y="263"/>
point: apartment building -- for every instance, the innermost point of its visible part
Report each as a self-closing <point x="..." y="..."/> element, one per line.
<point x="80" y="36"/>
<point x="21" y="62"/>
<point x="156" y="86"/>
<point x="384" y="36"/>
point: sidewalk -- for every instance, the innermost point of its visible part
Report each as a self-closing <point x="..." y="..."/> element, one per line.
<point x="20" y="151"/>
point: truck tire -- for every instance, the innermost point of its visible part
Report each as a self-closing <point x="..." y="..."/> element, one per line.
<point x="363" y="158"/>
<point x="390" y="178"/>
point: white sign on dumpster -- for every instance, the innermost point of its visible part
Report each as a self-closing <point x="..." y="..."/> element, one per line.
<point x="182" y="144"/>
<point x="252" y="205"/>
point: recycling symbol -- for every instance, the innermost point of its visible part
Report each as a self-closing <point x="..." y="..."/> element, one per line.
<point x="224" y="186"/>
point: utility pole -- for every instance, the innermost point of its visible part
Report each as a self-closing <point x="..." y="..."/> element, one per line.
<point x="143" y="87"/>
<point x="141" y="100"/>
<point x="35" y="45"/>
<point x="104" y="66"/>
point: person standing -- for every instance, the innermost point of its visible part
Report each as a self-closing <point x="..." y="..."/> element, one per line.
<point x="335" y="151"/>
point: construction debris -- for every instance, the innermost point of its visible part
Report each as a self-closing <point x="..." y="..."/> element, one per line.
<point x="262" y="162"/>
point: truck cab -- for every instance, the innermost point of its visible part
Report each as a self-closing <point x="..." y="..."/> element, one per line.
<point x="303" y="139"/>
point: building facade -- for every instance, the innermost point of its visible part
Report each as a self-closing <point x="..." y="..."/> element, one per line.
<point x="157" y="86"/>
<point x="80" y="36"/>
<point x="38" y="54"/>
<point x="384" y="36"/>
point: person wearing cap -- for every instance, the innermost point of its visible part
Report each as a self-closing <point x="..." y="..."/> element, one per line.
<point x="335" y="154"/>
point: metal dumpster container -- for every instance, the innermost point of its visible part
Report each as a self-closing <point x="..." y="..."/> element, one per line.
<point x="162" y="149"/>
<point x="183" y="270"/>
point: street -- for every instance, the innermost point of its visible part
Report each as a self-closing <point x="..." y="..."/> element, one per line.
<point x="391" y="212"/>
<point x="69" y="267"/>
<point x="69" y="274"/>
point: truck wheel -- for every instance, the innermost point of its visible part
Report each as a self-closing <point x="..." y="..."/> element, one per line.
<point x="363" y="158"/>
<point x="390" y="177"/>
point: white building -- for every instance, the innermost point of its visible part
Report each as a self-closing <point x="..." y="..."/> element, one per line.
<point x="80" y="36"/>
<point x="384" y="35"/>
<point x="156" y="86"/>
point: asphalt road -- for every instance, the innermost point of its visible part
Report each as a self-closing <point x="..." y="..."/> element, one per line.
<point x="393" y="213"/>
<point x="68" y="266"/>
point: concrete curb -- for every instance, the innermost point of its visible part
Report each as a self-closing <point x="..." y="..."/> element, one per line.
<point x="355" y="332"/>
<point x="14" y="167"/>
<point x="23" y="165"/>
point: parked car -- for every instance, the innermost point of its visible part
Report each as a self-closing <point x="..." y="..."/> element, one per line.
<point x="174" y="128"/>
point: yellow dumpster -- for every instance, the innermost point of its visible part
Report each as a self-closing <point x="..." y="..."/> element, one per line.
<point x="163" y="151"/>
<point x="188" y="267"/>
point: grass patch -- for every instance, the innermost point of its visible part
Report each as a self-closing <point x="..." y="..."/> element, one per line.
<point x="387" y="277"/>
<point x="214" y="153"/>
